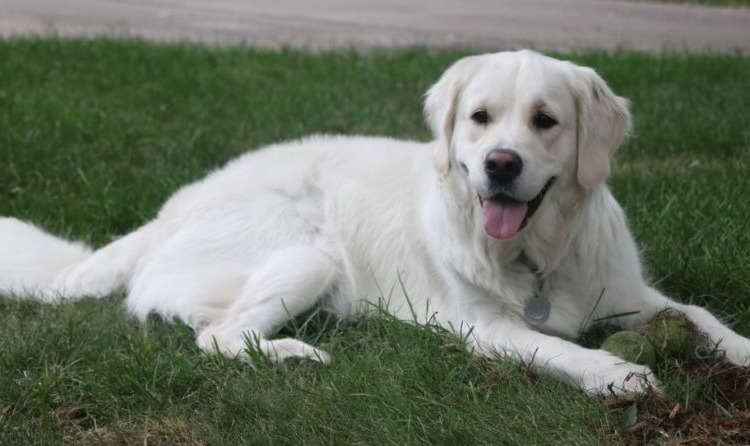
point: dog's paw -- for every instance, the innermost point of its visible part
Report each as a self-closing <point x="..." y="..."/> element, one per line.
<point x="736" y="350"/>
<point x="211" y="341"/>
<point x="242" y="346"/>
<point x="619" y="378"/>
<point x="278" y="350"/>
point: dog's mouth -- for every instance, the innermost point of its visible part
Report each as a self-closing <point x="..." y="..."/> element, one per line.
<point x="504" y="216"/>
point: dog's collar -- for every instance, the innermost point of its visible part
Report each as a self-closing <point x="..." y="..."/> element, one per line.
<point x="526" y="261"/>
<point x="537" y="308"/>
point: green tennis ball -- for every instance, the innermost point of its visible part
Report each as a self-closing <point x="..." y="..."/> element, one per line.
<point x="631" y="346"/>
<point x="672" y="334"/>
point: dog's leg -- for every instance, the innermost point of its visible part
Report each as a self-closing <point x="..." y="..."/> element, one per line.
<point x="288" y="284"/>
<point x="650" y="301"/>
<point x="594" y="371"/>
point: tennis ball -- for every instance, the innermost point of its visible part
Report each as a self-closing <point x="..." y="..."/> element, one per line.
<point x="631" y="346"/>
<point x="673" y="334"/>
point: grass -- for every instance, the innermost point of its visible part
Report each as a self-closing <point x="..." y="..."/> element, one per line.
<point x="97" y="133"/>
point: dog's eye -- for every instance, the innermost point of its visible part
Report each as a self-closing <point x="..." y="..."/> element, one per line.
<point x="480" y="117"/>
<point x="543" y="121"/>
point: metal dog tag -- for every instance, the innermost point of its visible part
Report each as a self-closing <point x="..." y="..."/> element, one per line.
<point x="537" y="309"/>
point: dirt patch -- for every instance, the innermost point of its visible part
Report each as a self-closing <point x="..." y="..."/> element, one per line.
<point x="80" y="428"/>
<point x="716" y="411"/>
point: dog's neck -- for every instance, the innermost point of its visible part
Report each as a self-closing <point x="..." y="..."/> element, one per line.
<point x="549" y="235"/>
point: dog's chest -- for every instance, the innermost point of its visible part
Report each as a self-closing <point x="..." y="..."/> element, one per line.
<point x="559" y="307"/>
<point x="551" y="303"/>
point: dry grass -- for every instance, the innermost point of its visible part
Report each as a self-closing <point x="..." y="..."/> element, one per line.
<point x="77" y="427"/>
<point x="719" y="415"/>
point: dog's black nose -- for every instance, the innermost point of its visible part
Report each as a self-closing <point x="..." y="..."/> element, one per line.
<point x="502" y="166"/>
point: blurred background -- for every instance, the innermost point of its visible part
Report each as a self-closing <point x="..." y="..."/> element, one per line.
<point x="545" y="24"/>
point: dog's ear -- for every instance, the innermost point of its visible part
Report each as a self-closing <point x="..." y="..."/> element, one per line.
<point x="603" y="123"/>
<point x="440" y="106"/>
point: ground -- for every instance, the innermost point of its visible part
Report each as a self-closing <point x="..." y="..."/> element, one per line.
<point x="487" y="24"/>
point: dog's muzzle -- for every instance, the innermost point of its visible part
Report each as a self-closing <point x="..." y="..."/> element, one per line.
<point x="505" y="216"/>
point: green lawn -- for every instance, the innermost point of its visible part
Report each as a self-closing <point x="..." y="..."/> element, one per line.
<point x="95" y="134"/>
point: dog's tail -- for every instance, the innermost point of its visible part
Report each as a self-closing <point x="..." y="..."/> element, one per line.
<point x="31" y="259"/>
<point x="35" y="264"/>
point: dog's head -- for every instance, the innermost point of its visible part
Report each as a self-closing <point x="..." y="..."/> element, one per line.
<point x="516" y="124"/>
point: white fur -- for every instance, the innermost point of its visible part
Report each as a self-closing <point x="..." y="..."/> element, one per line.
<point x="347" y="222"/>
<point x="30" y="259"/>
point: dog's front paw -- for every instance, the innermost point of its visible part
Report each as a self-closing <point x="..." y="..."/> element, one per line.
<point x="619" y="377"/>
<point x="736" y="350"/>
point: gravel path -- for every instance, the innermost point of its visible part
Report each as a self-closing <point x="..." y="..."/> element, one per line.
<point x="544" y="24"/>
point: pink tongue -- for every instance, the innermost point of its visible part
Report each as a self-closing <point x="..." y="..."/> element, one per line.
<point x="503" y="220"/>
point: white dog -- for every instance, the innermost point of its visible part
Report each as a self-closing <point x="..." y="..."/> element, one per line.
<point x="501" y="229"/>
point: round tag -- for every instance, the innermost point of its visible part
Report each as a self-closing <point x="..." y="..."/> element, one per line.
<point x="537" y="309"/>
